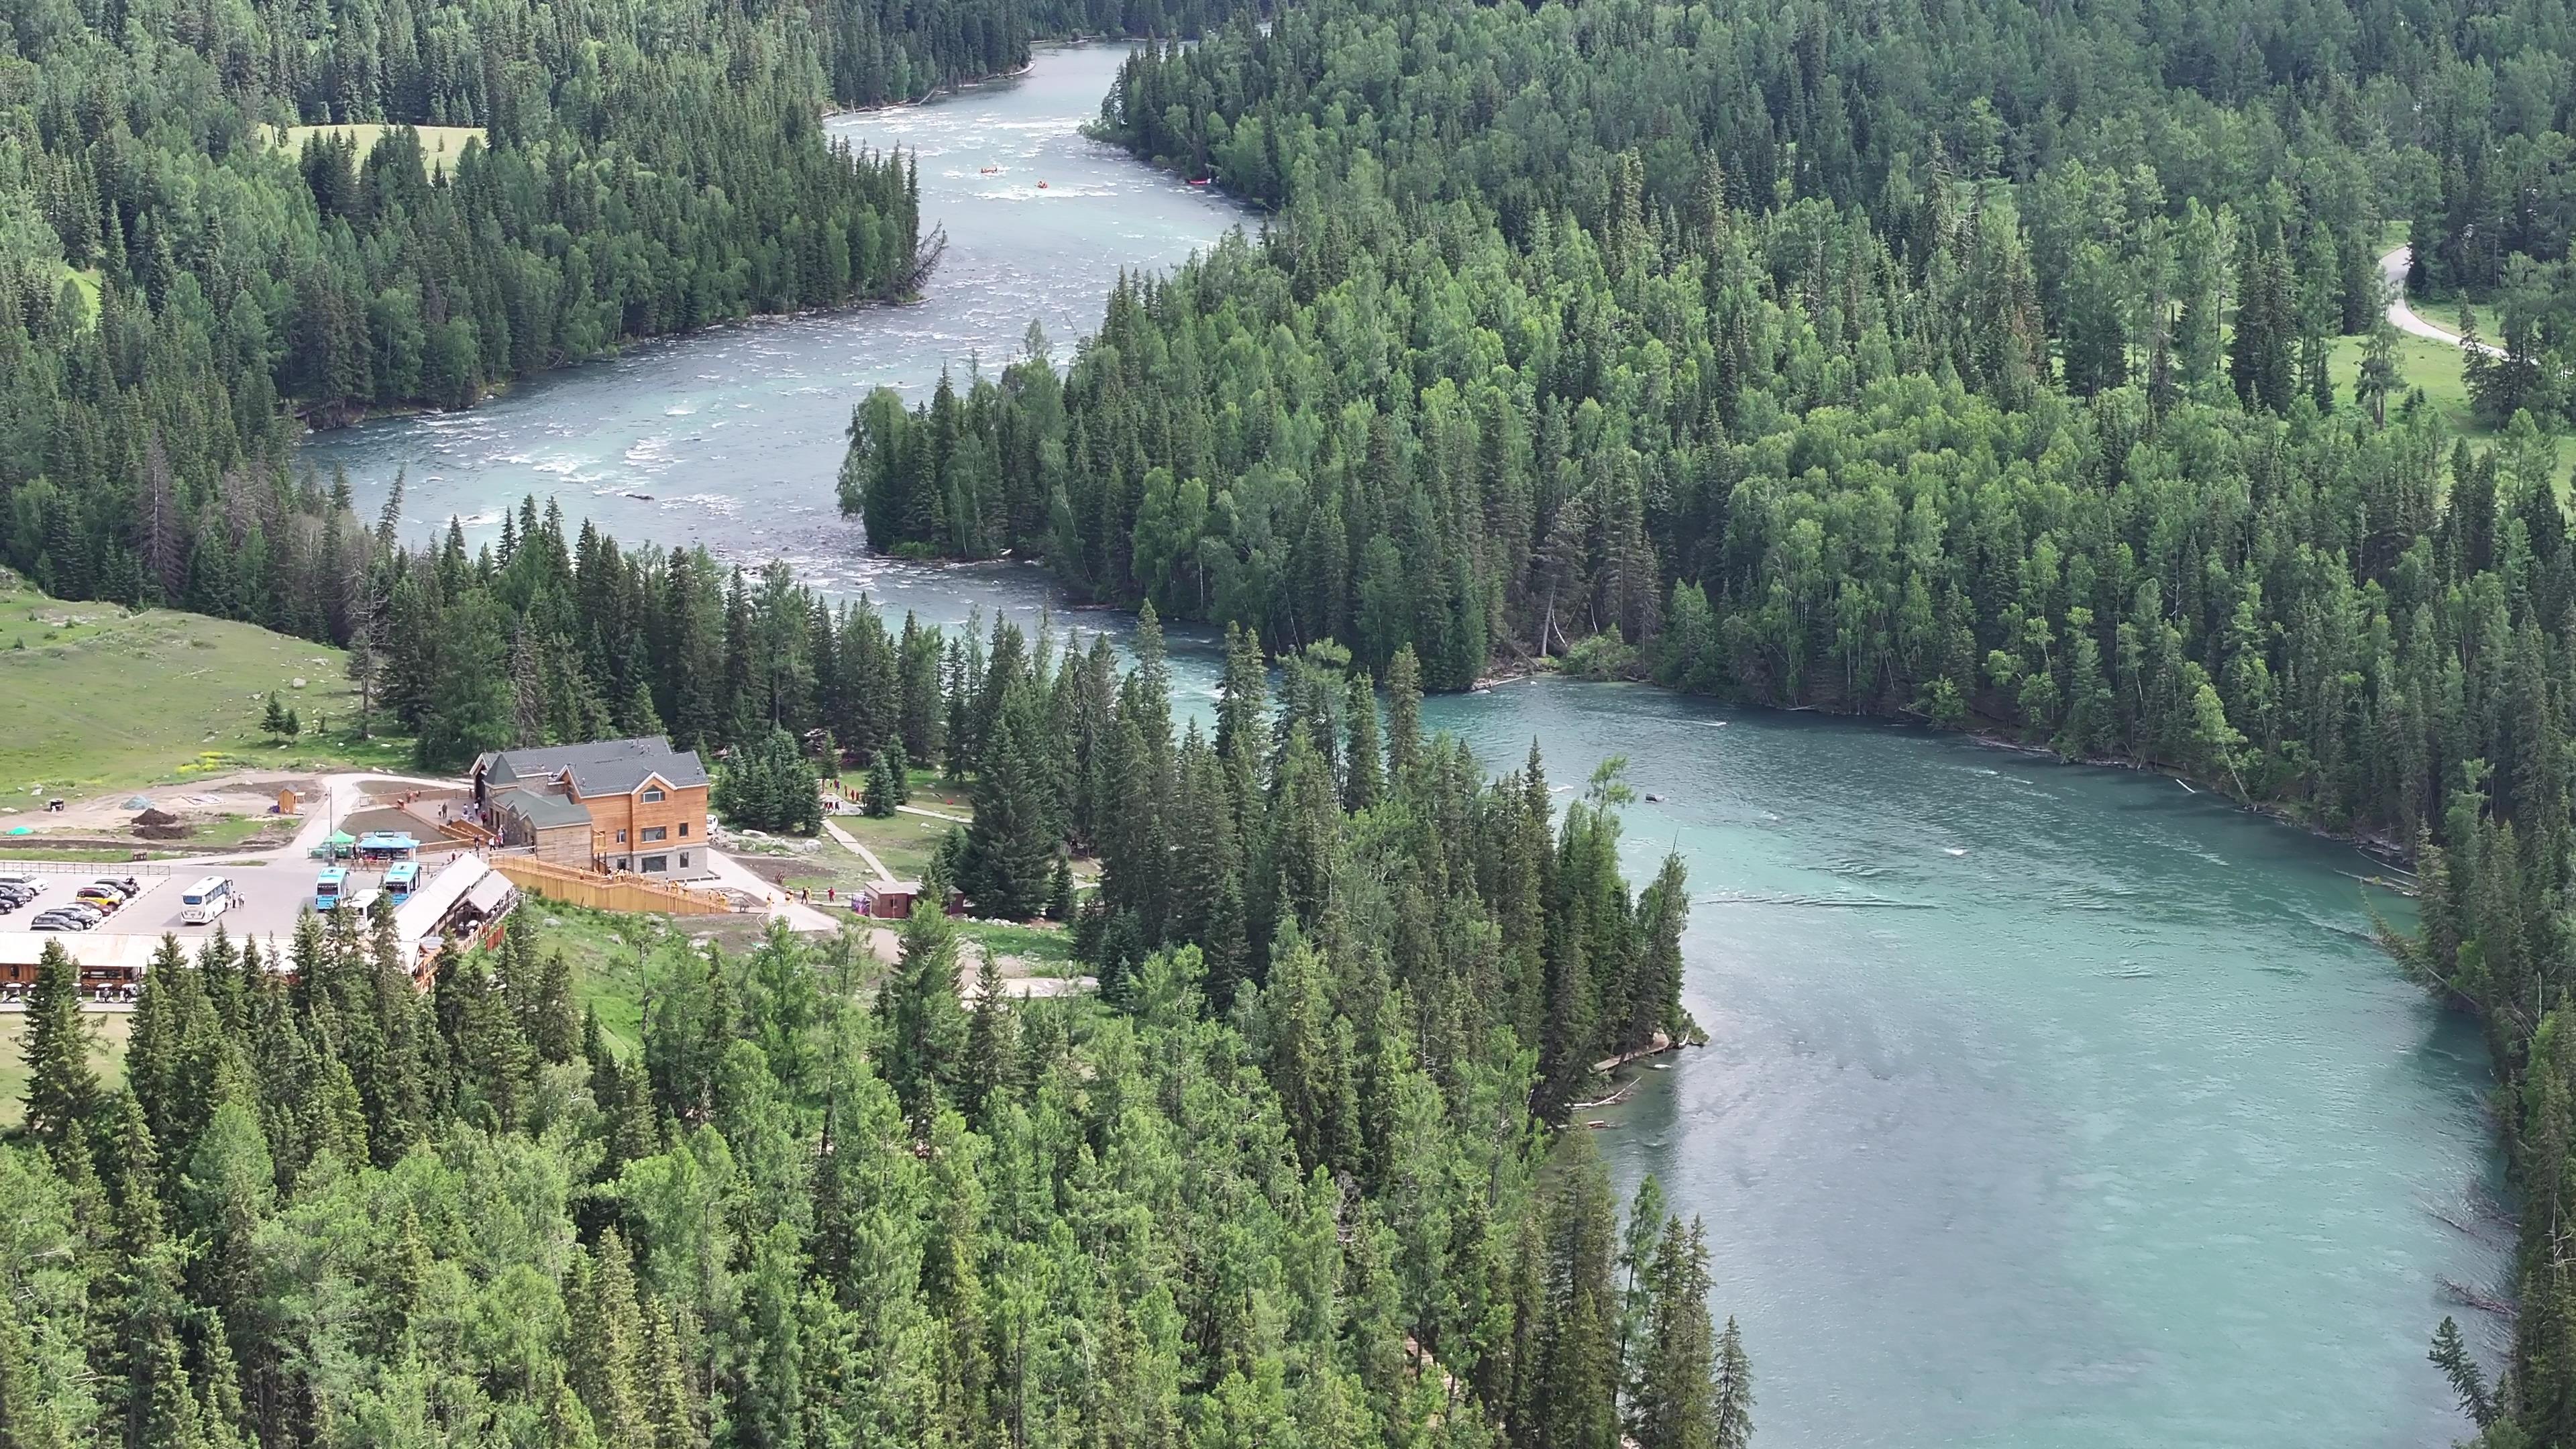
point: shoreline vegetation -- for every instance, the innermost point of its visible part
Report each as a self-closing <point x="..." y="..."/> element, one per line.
<point x="1930" y="370"/>
<point x="1959" y="412"/>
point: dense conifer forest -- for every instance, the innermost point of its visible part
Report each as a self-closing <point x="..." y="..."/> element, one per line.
<point x="199" y="257"/>
<point x="1972" y="364"/>
<point x="1286" y="1180"/>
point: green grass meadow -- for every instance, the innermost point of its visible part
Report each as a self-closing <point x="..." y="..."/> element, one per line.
<point x="95" y="698"/>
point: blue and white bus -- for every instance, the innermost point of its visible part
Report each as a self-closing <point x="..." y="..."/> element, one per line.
<point x="328" y="887"/>
<point x="401" y="878"/>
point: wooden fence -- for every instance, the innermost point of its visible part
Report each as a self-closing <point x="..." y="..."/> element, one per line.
<point x="607" y="892"/>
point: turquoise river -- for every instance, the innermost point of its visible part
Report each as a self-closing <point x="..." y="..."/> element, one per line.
<point x="2045" y="1106"/>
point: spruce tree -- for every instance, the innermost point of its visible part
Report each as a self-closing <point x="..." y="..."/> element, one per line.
<point x="1733" y="1407"/>
<point x="1004" y="869"/>
<point x="991" y="1045"/>
<point x="1569" y="1392"/>
<point x="1240" y="693"/>
<point x="606" y="1349"/>
<point x="1060" y="898"/>
<point x="62" y="1089"/>
<point x="1403" y="714"/>
<point x="885" y="783"/>
<point x="1678" y="1394"/>
<point x="923" y="1024"/>
<point x="1361" y="783"/>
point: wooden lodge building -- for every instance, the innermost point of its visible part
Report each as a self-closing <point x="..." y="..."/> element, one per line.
<point x="611" y="805"/>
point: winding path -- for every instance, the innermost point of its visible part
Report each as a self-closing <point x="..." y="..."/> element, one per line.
<point x="2393" y="267"/>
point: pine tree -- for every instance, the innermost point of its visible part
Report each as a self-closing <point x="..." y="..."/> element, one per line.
<point x="924" y="1024"/>
<point x="1403" y="714"/>
<point x="605" y="1355"/>
<point x="1240" y="694"/>
<point x="1678" y="1396"/>
<point x="1361" y="783"/>
<point x="1734" y="1395"/>
<point x="1060" y="898"/>
<point x="62" y="1089"/>
<point x="1009" y="847"/>
<point x="992" y="1046"/>
<point x="1310" y="1055"/>
<point x="2468" y="1382"/>
<point x="886" y="785"/>
<point x="2094" y="340"/>
<point x="1568" y="1397"/>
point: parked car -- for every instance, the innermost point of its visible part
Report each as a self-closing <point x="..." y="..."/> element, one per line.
<point x="19" y="894"/>
<point x="106" y="900"/>
<point x="126" y="886"/>
<point x="62" y="921"/>
<point x="83" y="909"/>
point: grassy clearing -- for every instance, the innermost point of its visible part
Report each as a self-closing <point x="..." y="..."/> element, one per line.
<point x="1048" y="950"/>
<point x="2435" y="368"/>
<point x="931" y="790"/>
<point x="227" y="831"/>
<point x="86" y="281"/>
<point x="94" y="698"/>
<point x="107" y="1057"/>
<point x="1045" y="950"/>
<point x="905" y="843"/>
<point x="603" y="962"/>
<point x="601" y="948"/>
<point x="440" y="146"/>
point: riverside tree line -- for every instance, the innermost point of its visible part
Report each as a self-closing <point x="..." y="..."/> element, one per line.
<point x="1298" y="1194"/>
<point x="186" y="281"/>
<point x="1980" y="365"/>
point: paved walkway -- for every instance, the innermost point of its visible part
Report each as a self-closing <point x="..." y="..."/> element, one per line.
<point x="875" y="866"/>
<point x="935" y="814"/>
<point x="782" y="903"/>
<point x="2402" y="317"/>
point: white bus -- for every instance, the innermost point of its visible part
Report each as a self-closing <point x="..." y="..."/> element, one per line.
<point x="207" y="899"/>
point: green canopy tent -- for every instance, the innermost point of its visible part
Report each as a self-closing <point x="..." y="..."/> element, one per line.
<point x="340" y="846"/>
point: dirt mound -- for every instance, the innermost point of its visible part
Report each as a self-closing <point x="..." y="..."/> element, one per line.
<point x="164" y="832"/>
<point x="156" y="817"/>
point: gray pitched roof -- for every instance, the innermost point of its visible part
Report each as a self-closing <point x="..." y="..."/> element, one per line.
<point x="539" y="808"/>
<point x="602" y="767"/>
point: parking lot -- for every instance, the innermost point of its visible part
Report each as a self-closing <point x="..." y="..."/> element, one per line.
<point x="267" y="898"/>
<point x="55" y="887"/>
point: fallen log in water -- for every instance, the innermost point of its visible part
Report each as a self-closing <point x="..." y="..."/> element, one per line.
<point x="2472" y="1298"/>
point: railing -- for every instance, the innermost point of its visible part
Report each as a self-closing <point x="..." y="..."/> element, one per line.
<point x="92" y="867"/>
<point x="607" y="892"/>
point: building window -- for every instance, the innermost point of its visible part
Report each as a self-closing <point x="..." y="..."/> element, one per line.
<point x="652" y="797"/>
<point x="657" y="832"/>
<point x="684" y="860"/>
<point x="654" y="863"/>
<point x="621" y="837"/>
<point x="684" y="830"/>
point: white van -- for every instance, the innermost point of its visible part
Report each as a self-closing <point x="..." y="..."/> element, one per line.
<point x="207" y="899"/>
